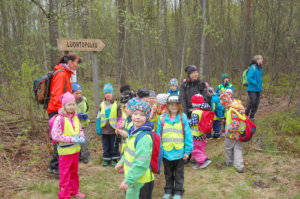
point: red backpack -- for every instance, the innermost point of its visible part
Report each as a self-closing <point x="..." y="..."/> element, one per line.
<point x="157" y="151"/>
<point x="206" y="122"/>
<point x="250" y="129"/>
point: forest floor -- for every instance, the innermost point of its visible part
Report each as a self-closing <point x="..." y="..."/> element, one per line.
<point x="24" y="160"/>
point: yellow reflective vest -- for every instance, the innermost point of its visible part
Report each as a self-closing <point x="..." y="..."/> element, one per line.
<point x="69" y="148"/>
<point x="113" y="116"/>
<point x="172" y="136"/>
<point x="195" y="130"/>
<point x="129" y="156"/>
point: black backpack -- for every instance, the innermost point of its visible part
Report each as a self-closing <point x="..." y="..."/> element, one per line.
<point x="41" y="88"/>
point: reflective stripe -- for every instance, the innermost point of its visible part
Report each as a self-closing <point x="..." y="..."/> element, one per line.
<point x="114" y="125"/>
<point x="103" y="121"/>
<point x="172" y="130"/>
<point x="65" y="146"/>
<point x="113" y="119"/>
<point x="179" y="140"/>
<point x="128" y="163"/>
<point x="129" y="151"/>
<point x="102" y="115"/>
<point x="194" y="129"/>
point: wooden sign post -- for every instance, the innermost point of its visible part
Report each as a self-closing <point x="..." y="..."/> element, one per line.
<point x="93" y="45"/>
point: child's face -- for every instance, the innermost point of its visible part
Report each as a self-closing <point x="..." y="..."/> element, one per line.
<point x="78" y="94"/>
<point x="152" y="100"/>
<point x="193" y="104"/>
<point x="173" y="108"/>
<point x="173" y="88"/>
<point x="108" y="96"/>
<point x="146" y="99"/>
<point x="128" y="112"/>
<point x="70" y="107"/>
<point x="138" y="118"/>
<point x="226" y="80"/>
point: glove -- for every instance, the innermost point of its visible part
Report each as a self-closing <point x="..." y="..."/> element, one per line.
<point x="83" y="116"/>
<point x="81" y="139"/>
<point x="76" y="140"/>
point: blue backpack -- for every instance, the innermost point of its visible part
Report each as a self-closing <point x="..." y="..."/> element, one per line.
<point x="220" y="110"/>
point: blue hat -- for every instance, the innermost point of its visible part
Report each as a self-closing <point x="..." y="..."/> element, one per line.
<point x="132" y="102"/>
<point x="108" y="88"/>
<point x="144" y="107"/>
<point x="76" y="87"/>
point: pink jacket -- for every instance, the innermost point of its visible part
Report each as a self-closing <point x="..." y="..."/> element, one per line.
<point x="58" y="133"/>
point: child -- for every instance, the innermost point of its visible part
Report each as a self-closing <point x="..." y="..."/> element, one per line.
<point x="68" y="133"/>
<point x="225" y="84"/>
<point x="82" y="110"/>
<point x="199" y="138"/>
<point x="154" y="109"/>
<point x="139" y="179"/>
<point x="162" y="101"/>
<point x="177" y="142"/>
<point x="173" y="87"/>
<point x="218" y="109"/>
<point x="107" y="120"/>
<point x="144" y="94"/>
<point x="233" y="146"/>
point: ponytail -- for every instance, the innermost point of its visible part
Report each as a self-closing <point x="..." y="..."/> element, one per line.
<point x="64" y="59"/>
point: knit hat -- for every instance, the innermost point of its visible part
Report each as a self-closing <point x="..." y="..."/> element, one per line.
<point x="237" y="104"/>
<point x="133" y="102"/>
<point x="144" y="107"/>
<point x="67" y="97"/>
<point x="162" y="98"/>
<point x="190" y="69"/>
<point x="152" y="94"/>
<point x="143" y="92"/>
<point x="223" y="76"/>
<point x="211" y="91"/>
<point x="229" y="91"/>
<point x="124" y="87"/>
<point x="225" y="99"/>
<point x="76" y="87"/>
<point x="108" y="88"/>
<point x="173" y="99"/>
<point x="197" y="99"/>
<point x="174" y="82"/>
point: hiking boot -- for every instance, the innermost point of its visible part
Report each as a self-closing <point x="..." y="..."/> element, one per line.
<point x="240" y="170"/>
<point x="193" y="161"/>
<point x="167" y="196"/>
<point x="224" y="164"/>
<point x="177" y="196"/>
<point x="252" y="119"/>
<point x="205" y="164"/>
<point x="114" y="163"/>
<point x="79" y="195"/>
<point x="105" y="163"/>
<point x="53" y="171"/>
<point x="196" y="166"/>
<point x="216" y="136"/>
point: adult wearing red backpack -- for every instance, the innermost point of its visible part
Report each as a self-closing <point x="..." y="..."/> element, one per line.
<point x="60" y="84"/>
<point x="191" y="86"/>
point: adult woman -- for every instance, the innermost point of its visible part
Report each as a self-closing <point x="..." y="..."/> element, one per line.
<point x="60" y="84"/>
<point x="254" y="77"/>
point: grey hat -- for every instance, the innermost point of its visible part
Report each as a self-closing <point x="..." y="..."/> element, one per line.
<point x="152" y="93"/>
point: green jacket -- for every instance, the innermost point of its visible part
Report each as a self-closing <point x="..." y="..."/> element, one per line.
<point x="82" y="107"/>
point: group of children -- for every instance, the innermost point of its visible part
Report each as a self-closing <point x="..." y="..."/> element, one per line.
<point x="162" y="114"/>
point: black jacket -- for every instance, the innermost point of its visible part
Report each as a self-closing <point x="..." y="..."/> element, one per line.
<point x="187" y="90"/>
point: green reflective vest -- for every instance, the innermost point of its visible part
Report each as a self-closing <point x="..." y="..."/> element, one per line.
<point x="129" y="156"/>
<point x="69" y="148"/>
<point x="113" y="116"/>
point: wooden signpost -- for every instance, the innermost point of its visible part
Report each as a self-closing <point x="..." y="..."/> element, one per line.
<point x="93" y="45"/>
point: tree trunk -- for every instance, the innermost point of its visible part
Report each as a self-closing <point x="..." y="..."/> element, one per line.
<point x="184" y="40"/>
<point x="54" y="32"/>
<point x="121" y="38"/>
<point x="202" y="44"/>
<point x="247" y="52"/>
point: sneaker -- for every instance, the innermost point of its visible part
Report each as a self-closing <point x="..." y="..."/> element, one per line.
<point x="205" y="164"/>
<point x="79" y="195"/>
<point x="240" y="170"/>
<point x="224" y="164"/>
<point x="216" y="136"/>
<point x="114" y="163"/>
<point x="177" y="196"/>
<point x="196" y="166"/>
<point x="105" y="163"/>
<point x="193" y="161"/>
<point x="53" y="171"/>
<point x="167" y="196"/>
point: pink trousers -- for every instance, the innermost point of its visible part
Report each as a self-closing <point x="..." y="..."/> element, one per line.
<point x="198" y="152"/>
<point x="68" y="174"/>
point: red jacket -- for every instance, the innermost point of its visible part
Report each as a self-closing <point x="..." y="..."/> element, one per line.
<point x="59" y="82"/>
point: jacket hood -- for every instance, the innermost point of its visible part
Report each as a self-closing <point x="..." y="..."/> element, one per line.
<point x="203" y="106"/>
<point x="61" y="67"/>
<point x="148" y="126"/>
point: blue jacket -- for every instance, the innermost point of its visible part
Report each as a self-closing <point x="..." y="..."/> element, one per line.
<point x="188" y="138"/>
<point x="222" y="87"/>
<point x="254" y="77"/>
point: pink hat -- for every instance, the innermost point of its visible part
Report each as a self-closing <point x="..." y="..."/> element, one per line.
<point x="67" y="97"/>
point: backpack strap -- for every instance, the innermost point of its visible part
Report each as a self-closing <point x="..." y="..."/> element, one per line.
<point x="162" y="122"/>
<point x="139" y="136"/>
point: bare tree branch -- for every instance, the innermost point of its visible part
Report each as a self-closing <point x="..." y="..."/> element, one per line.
<point x="41" y="7"/>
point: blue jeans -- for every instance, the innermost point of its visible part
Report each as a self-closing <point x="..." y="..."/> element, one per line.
<point x="216" y="127"/>
<point x="110" y="147"/>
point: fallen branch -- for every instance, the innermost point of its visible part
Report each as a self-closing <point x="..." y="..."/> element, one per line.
<point x="261" y="150"/>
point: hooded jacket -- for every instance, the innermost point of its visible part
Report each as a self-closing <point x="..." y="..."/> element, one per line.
<point x="59" y="85"/>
